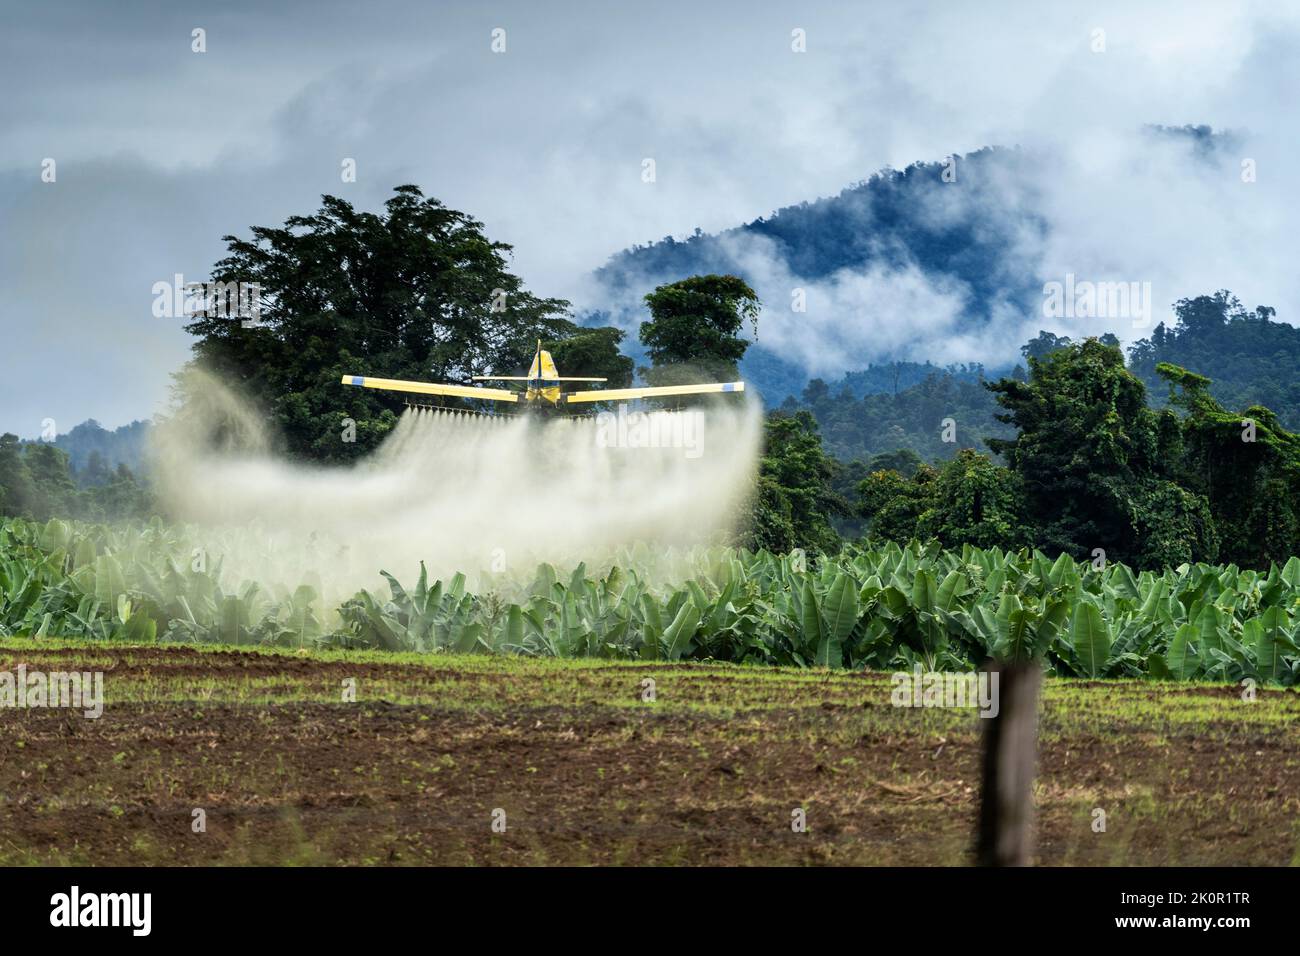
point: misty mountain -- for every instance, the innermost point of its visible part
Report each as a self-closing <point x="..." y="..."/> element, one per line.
<point x="940" y="262"/>
<point x="877" y="253"/>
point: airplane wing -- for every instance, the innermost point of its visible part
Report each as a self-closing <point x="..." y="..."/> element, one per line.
<point x="427" y="388"/>
<point x="627" y="394"/>
<point x="525" y="378"/>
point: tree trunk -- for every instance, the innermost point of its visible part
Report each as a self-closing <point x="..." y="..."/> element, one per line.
<point x="1006" y="822"/>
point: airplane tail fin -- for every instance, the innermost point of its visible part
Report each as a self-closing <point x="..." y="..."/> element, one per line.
<point x="543" y="367"/>
<point x="544" y="377"/>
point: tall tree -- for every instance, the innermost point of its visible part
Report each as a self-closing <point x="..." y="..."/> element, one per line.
<point x="416" y="292"/>
<point x="1044" y="344"/>
<point x="796" y="499"/>
<point x="96" y="471"/>
<point x="968" y="500"/>
<point x="691" y="335"/>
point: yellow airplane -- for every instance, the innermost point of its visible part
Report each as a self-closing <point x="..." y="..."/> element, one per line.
<point x="542" y="387"/>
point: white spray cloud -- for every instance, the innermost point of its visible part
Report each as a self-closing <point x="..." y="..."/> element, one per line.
<point x="458" y="491"/>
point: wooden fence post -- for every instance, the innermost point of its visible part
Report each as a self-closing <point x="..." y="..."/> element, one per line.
<point x="1006" y="825"/>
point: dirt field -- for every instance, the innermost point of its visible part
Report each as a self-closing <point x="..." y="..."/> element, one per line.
<point x="286" y="771"/>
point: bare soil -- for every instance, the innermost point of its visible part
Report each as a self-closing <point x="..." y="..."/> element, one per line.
<point x="582" y="770"/>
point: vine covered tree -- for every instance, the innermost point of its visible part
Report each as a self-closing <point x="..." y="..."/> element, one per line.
<point x="1094" y="461"/>
<point x="1245" y="464"/>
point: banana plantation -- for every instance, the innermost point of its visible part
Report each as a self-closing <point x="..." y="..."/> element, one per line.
<point x="880" y="608"/>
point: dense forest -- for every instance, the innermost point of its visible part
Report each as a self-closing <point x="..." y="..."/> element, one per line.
<point x="1252" y="359"/>
<point x="94" y="450"/>
<point x="37" y="481"/>
<point x="912" y="418"/>
<point x="1091" y="470"/>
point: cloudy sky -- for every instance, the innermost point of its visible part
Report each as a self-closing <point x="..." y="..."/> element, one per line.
<point x="159" y="151"/>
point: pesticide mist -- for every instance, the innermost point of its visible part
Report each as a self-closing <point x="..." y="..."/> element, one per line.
<point x="461" y="492"/>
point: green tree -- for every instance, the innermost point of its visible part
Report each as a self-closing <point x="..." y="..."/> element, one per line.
<point x="902" y="460"/>
<point x="17" y="493"/>
<point x="974" y="501"/>
<point x="768" y="523"/>
<point x="54" y="491"/>
<point x="1245" y="464"/>
<point x="594" y="352"/>
<point x="795" y="500"/>
<point x="1044" y="344"/>
<point x="1094" y="461"/>
<point x="893" y="504"/>
<point x="416" y="292"/>
<point x="96" y="471"/>
<point x="969" y="500"/>
<point x="122" y="496"/>
<point x="691" y="335"/>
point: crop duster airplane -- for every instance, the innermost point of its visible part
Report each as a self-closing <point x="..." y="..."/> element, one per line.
<point x="541" y="387"/>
